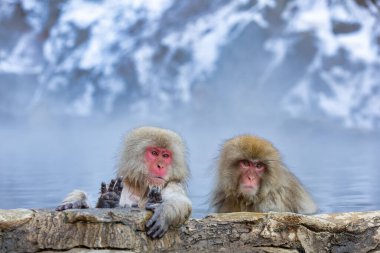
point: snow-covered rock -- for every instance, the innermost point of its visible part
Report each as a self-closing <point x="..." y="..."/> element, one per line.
<point x="97" y="56"/>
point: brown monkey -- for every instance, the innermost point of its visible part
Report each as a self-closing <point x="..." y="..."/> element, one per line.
<point x="151" y="158"/>
<point x="251" y="177"/>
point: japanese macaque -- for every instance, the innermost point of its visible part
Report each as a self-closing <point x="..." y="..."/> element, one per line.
<point x="152" y="174"/>
<point x="252" y="178"/>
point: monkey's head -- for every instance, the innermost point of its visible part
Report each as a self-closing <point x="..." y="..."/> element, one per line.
<point x="153" y="156"/>
<point x="247" y="164"/>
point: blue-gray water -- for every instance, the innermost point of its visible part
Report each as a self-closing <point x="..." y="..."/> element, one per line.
<point x="40" y="162"/>
<point x="207" y="69"/>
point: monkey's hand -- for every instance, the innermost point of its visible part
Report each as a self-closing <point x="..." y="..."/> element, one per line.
<point x="154" y="195"/>
<point x="110" y="197"/>
<point x="75" y="200"/>
<point x="79" y="204"/>
<point x="158" y="223"/>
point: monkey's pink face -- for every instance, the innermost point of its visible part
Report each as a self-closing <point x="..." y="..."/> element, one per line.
<point x="159" y="161"/>
<point x="250" y="176"/>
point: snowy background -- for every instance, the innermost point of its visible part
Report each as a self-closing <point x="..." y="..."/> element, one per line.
<point x="75" y="75"/>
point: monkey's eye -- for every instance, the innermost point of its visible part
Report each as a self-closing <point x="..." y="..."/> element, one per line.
<point x="154" y="152"/>
<point x="260" y="165"/>
<point x="166" y="155"/>
<point x="246" y="163"/>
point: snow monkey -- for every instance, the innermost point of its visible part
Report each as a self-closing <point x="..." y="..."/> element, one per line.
<point x="251" y="177"/>
<point x="151" y="159"/>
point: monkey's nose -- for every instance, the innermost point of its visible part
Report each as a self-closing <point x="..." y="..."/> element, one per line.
<point x="251" y="177"/>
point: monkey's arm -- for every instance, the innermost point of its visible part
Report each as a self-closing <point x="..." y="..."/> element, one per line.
<point x="174" y="210"/>
<point x="75" y="200"/>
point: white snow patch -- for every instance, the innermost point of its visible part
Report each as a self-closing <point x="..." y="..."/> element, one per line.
<point x="82" y="13"/>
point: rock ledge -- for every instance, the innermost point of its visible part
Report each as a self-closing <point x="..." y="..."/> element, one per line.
<point x="23" y="230"/>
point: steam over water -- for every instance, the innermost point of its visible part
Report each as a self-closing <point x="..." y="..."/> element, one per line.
<point x="76" y="75"/>
<point x="41" y="163"/>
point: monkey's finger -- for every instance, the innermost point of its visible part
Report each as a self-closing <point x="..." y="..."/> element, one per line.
<point x="63" y="207"/>
<point x="111" y="185"/>
<point x="103" y="188"/>
<point x="151" y="206"/>
<point x="152" y="220"/>
<point x="68" y="206"/>
<point x="163" y="231"/>
<point x="119" y="186"/>
<point x="84" y="205"/>
<point x="60" y="208"/>
<point x="159" y="233"/>
<point x="153" y="230"/>
<point x="78" y="204"/>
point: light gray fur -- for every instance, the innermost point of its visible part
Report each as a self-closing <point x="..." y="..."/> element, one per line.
<point x="75" y="200"/>
<point x="176" y="206"/>
<point x="76" y="195"/>
<point x="131" y="163"/>
<point x="175" y="199"/>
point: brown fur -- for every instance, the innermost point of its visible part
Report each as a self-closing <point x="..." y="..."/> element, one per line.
<point x="279" y="189"/>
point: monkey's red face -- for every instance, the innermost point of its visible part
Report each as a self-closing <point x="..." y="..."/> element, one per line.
<point x="251" y="172"/>
<point x="158" y="160"/>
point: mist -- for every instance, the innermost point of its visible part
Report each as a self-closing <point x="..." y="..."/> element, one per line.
<point x="43" y="161"/>
<point x="72" y="86"/>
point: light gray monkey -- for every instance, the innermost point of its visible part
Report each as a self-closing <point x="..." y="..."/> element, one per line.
<point x="151" y="158"/>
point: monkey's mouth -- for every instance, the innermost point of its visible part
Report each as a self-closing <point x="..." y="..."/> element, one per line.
<point x="157" y="180"/>
<point x="247" y="188"/>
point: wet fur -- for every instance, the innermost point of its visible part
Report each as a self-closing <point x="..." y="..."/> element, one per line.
<point x="279" y="191"/>
<point x="132" y="168"/>
<point x="176" y="206"/>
